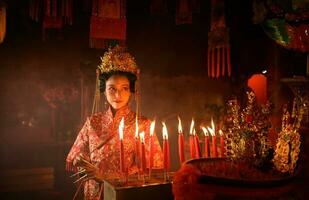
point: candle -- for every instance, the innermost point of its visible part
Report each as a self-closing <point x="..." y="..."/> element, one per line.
<point x="197" y="145"/>
<point x="120" y="129"/>
<point x="136" y="143"/>
<point x="222" y="147"/>
<point x="180" y="143"/>
<point x="142" y="156"/>
<point x="166" y="159"/>
<point x="212" y="132"/>
<point x="191" y="140"/>
<point x="206" y="151"/>
<point x="152" y="128"/>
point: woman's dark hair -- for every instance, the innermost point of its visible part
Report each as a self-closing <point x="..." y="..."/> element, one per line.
<point x="105" y="76"/>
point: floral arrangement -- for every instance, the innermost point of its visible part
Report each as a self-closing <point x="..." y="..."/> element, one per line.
<point x="117" y="59"/>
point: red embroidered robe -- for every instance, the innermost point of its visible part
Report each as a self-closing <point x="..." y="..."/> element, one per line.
<point x="103" y="128"/>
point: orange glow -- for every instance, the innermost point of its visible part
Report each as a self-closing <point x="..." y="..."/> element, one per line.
<point x="258" y="83"/>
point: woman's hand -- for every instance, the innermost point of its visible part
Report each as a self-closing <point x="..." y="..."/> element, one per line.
<point x="87" y="170"/>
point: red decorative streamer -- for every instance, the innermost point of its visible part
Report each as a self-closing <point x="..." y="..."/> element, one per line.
<point x="218" y="62"/>
<point x="223" y="60"/>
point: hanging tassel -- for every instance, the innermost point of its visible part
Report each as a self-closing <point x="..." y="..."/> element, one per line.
<point x="137" y="95"/>
<point x="2" y="23"/>
<point x="228" y="61"/>
<point x="212" y="63"/>
<point x="71" y="12"/>
<point x="96" y="100"/>
<point x="54" y="6"/>
<point x="223" y="61"/>
<point x="95" y="7"/>
<point x="38" y="6"/>
<point x="47" y="4"/>
<point x="218" y="41"/>
<point x="218" y="61"/>
<point x="208" y="62"/>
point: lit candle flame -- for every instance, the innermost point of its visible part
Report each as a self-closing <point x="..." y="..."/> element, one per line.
<point x="179" y="125"/>
<point x="205" y="131"/>
<point x="136" y="128"/>
<point x="211" y="131"/>
<point x="194" y="132"/>
<point x="191" y="127"/>
<point x="221" y="132"/>
<point x="142" y="137"/>
<point x="164" y="131"/>
<point x="152" y="127"/>
<point x="213" y="125"/>
<point x="120" y="129"/>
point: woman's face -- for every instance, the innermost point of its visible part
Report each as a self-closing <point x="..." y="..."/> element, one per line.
<point x="117" y="91"/>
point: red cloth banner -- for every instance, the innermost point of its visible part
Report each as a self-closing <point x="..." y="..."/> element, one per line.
<point x="105" y="28"/>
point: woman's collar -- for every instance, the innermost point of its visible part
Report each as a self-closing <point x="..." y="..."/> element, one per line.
<point x="120" y="112"/>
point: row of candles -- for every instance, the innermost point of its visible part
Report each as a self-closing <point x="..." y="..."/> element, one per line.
<point x="194" y="144"/>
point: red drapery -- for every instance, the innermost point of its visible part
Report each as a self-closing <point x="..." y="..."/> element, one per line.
<point x="108" y="22"/>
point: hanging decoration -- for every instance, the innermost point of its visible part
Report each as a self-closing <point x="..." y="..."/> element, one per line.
<point x="196" y="6"/>
<point x="2" y="22"/>
<point x="158" y="7"/>
<point x="286" y="22"/>
<point x="107" y="22"/>
<point x="56" y="13"/>
<point x="35" y="7"/>
<point x="183" y="12"/>
<point x="218" y="56"/>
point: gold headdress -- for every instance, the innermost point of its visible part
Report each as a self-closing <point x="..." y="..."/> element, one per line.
<point x="117" y="59"/>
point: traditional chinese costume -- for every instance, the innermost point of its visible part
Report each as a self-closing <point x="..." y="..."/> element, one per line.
<point x="99" y="140"/>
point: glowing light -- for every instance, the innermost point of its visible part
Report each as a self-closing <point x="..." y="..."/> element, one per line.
<point x="136" y="128"/>
<point x="142" y="137"/>
<point x="191" y="127"/>
<point x="152" y="127"/>
<point x="205" y="131"/>
<point x="121" y="128"/>
<point x="164" y="132"/>
<point x="179" y="125"/>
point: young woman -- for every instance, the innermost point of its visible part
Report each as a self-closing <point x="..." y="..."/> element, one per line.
<point x="98" y="140"/>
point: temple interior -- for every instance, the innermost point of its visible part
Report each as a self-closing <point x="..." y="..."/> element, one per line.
<point x="48" y="73"/>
